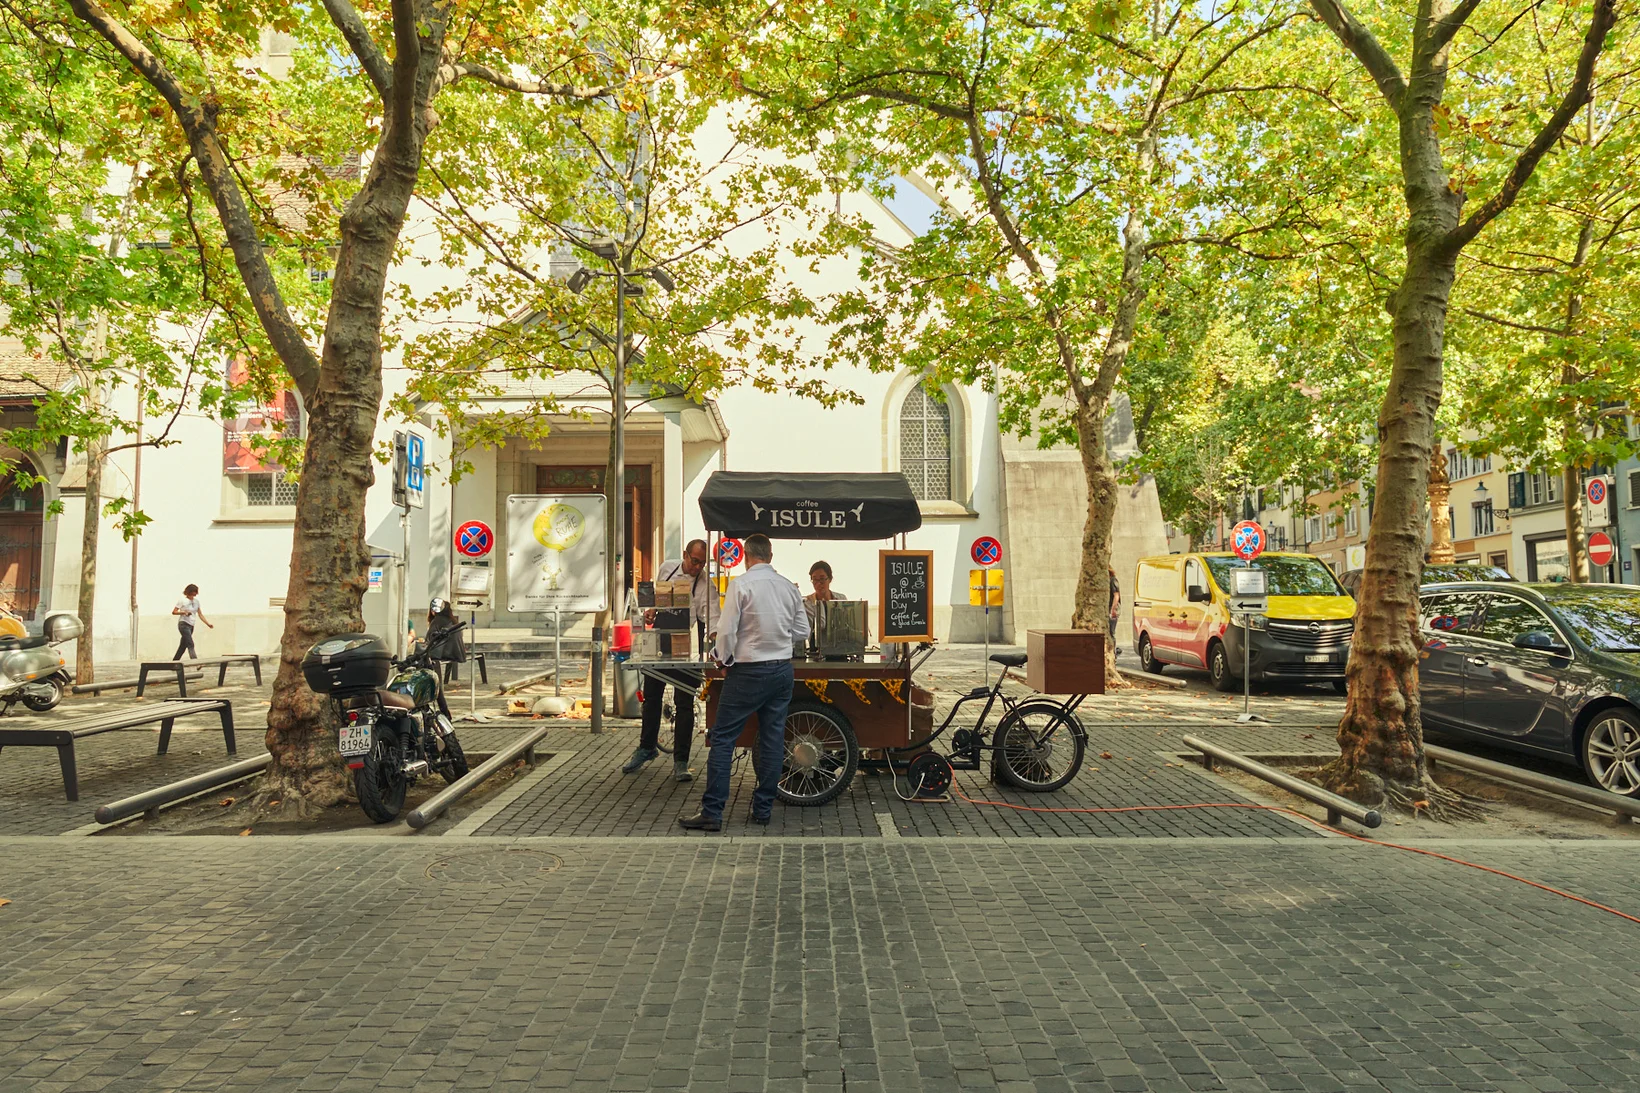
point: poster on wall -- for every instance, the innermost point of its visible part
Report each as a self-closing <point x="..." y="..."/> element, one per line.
<point x="245" y="438"/>
<point x="556" y="553"/>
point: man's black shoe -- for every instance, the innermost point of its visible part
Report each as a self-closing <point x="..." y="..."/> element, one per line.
<point x="699" y="822"/>
<point x="754" y="818"/>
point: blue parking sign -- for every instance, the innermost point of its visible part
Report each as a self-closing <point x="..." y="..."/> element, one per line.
<point x="415" y="469"/>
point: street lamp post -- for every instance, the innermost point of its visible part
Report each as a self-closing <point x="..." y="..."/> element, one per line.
<point x="615" y="488"/>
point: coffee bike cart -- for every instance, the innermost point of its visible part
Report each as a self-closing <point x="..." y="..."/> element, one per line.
<point x="848" y="698"/>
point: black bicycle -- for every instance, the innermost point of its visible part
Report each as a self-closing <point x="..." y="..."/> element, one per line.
<point x="1039" y="743"/>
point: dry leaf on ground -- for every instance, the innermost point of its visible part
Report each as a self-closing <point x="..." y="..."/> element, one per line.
<point x="247" y="831"/>
<point x="5" y="903"/>
<point x="225" y="802"/>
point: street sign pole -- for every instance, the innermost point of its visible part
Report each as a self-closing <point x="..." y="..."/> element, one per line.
<point x="1248" y="597"/>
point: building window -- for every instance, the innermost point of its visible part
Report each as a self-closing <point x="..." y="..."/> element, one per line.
<point x="1542" y="489"/>
<point x="1332" y="526"/>
<point x="271" y="488"/>
<point x="1634" y="489"/>
<point x="1462" y="465"/>
<point x="1352" y="521"/>
<point x="1312" y="529"/>
<point x="925" y="445"/>
<point x="1481" y="521"/>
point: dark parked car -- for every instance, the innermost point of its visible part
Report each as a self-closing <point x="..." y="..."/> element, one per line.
<point x="1552" y="669"/>
<point x="1436" y="574"/>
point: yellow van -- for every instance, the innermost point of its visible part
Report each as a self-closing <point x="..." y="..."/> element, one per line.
<point x="1181" y="615"/>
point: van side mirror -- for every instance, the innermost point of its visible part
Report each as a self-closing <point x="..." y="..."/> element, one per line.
<point x="1198" y="594"/>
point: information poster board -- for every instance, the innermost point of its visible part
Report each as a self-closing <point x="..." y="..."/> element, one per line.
<point x="905" y="595"/>
<point x="556" y="553"/>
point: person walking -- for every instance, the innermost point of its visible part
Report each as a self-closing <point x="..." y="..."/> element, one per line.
<point x="186" y="611"/>
<point x="763" y="618"/>
<point x="703" y="602"/>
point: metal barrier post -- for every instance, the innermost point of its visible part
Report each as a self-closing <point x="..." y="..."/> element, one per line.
<point x="557" y="650"/>
<point x="597" y="679"/>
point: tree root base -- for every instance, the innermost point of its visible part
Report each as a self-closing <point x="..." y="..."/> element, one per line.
<point x="275" y="800"/>
<point x="1423" y="799"/>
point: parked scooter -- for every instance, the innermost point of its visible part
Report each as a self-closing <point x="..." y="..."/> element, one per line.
<point x="32" y="671"/>
<point x="391" y="731"/>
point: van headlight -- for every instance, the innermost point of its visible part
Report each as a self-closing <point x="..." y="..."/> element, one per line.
<point x="1256" y="622"/>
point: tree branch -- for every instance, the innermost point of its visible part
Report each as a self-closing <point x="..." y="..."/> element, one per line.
<point x="197" y="117"/>
<point x="1359" y="41"/>
<point x="1600" y="23"/>
<point x="1530" y="328"/>
<point x="1448" y="25"/>
<point x="364" y="47"/>
<point x="466" y="70"/>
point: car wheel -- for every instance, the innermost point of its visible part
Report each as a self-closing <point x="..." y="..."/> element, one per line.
<point x="1147" y="657"/>
<point x="1218" y="668"/>
<point x="1342" y="686"/>
<point x="1611" y="752"/>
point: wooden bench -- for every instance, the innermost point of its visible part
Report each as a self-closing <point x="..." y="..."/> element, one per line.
<point x="164" y="714"/>
<point x="180" y="668"/>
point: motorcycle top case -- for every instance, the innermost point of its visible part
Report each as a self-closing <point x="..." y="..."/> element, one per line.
<point x="347" y="664"/>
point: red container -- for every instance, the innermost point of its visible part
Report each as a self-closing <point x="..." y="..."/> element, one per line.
<point x="622" y="641"/>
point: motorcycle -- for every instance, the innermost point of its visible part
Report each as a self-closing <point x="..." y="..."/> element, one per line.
<point x="391" y="731"/>
<point x="32" y="671"/>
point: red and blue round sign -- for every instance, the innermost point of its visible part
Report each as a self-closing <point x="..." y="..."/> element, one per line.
<point x="986" y="551"/>
<point x="1247" y="540"/>
<point x="474" y="539"/>
<point x="729" y="553"/>
<point x="1597" y="491"/>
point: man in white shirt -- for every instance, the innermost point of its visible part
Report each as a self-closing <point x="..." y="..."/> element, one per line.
<point x="691" y="567"/>
<point x="763" y="618"/>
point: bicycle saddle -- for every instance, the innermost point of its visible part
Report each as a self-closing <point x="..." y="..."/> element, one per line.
<point x="1009" y="660"/>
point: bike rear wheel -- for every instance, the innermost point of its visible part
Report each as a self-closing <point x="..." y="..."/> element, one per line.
<point x="1039" y="747"/>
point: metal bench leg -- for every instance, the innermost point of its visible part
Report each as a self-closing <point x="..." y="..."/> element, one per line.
<point x="142" y="681"/>
<point x="256" y="665"/>
<point x="227" y="729"/>
<point x="182" y="680"/>
<point x="165" y="734"/>
<point x="222" y="673"/>
<point x="71" y="774"/>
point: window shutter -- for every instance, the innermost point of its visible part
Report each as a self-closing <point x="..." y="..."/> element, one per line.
<point x="1517" y="490"/>
<point x="1634" y="489"/>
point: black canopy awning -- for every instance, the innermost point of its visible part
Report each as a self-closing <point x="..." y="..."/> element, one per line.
<point x="809" y="506"/>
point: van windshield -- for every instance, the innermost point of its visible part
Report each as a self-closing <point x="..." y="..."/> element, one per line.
<point x="1287" y="575"/>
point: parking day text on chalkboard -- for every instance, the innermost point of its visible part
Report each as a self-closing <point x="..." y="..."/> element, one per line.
<point x="905" y="599"/>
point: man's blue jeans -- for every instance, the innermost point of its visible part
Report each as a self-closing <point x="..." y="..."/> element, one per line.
<point x="764" y="689"/>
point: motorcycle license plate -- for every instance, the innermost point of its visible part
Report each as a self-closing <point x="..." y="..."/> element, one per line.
<point x="1317" y="658"/>
<point x="354" y="738"/>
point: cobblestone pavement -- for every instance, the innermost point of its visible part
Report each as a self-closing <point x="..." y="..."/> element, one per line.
<point x="1042" y="965"/>
<point x="1019" y="951"/>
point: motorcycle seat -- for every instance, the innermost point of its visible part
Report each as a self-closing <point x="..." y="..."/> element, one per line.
<point x="395" y="700"/>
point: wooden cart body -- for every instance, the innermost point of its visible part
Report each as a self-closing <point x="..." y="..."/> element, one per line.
<point x="855" y="690"/>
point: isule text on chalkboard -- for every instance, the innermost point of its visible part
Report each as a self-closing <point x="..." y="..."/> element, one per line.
<point x="906" y="601"/>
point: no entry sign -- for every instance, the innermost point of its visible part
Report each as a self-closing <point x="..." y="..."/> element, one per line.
<point x="986" y="550"/>
<point x="474" y="539"/>
<point x="1601" y="550"/>
<point x="729" y="553"/>
<point x="1247" y="540"/>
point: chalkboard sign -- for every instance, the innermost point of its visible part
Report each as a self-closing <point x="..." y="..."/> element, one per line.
<point x="905" y="599"/>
